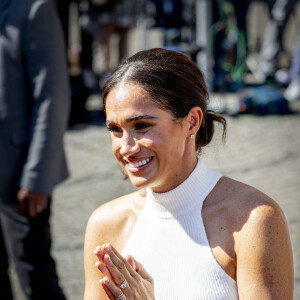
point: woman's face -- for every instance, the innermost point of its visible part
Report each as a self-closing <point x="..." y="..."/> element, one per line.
<point x="148" y="142"/>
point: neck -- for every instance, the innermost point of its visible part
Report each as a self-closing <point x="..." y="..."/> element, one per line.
<point x="185" y="170"/>
<point x="185" y="196"/>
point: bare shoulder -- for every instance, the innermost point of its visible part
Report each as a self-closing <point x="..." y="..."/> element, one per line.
<point x="247" y="205"/>
<point x="261" y="242"/>
<point x="111" y="221"/>
<point x="246" y="211"/>
<point x="233" y="212"/>
<point x="238" y="206"/>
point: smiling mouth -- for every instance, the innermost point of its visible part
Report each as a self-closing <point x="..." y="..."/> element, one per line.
<point x="139" y="164"/>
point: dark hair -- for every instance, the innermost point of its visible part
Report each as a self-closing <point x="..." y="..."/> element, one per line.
<point x="174" y="82"/>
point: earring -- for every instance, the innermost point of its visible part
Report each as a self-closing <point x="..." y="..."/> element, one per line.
<point x="192" y="136"/>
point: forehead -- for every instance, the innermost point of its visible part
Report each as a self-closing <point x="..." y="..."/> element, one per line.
<point x="128" y="96"/>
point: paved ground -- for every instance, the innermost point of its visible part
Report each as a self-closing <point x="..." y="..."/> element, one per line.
<point x="261" y="151"/>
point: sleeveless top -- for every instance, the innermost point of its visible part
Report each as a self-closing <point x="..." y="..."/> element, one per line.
<point x="170" y="241"/>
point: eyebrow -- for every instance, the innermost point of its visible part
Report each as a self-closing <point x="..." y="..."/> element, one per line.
<point x="136" y="118"/>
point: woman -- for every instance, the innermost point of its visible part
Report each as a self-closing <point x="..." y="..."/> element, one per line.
<point x="192" y="233"/>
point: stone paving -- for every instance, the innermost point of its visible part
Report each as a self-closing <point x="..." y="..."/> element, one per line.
<point x="261" y="151"/>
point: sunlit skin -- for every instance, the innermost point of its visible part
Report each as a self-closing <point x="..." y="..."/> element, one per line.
<point x="246" y="230"/>
<point x="152" y="147"/>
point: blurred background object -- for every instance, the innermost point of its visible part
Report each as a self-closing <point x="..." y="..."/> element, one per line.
<point x="234" y="43"/>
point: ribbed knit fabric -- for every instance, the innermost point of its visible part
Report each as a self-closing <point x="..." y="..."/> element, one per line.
<point x="169" y="239"/>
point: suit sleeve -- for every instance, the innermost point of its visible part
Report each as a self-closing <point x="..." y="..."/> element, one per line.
<point x="45" y="57"/>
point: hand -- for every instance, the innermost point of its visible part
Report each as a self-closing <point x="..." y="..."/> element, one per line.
<point x="117" y="270"/>
<point x="31" y="203"/>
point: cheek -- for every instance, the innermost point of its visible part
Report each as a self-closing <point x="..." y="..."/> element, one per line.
<point x="152" y="145"/>
<point x="175" y="146"/>
<point x="157" y="139"/>
<point x="115" y="147"/>
<point x="149" y="142"/>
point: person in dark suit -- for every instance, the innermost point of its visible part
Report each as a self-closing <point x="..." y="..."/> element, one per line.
<point x="34" y="109"/>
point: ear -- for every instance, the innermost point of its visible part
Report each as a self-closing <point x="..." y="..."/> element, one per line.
<point x="195" y="117"/>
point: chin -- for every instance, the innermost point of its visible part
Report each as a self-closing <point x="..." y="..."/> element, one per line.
<point x="140" y="182"/>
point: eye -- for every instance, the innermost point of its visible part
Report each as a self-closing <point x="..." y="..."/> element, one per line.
<point x="139" y="126"/>
<point x="114" y="129"/>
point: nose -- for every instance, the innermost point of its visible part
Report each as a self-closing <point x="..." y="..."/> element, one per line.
<point x="129" y="146"/>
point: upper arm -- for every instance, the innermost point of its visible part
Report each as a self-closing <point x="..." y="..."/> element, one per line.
<point x="94" y="236"/>
<point x="264" y="255"/>
<point x="110" y="223"/>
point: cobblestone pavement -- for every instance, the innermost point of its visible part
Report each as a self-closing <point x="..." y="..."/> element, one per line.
<point x="261" y="151"/>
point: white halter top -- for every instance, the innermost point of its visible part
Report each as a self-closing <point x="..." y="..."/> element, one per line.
<point x="169" y="239"/>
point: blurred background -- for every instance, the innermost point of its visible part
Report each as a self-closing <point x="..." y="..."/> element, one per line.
<point x="250" y="47"/>
<point x="249" y="52"/>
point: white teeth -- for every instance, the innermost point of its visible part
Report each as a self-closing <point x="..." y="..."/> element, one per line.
<point x="140" y="163"/>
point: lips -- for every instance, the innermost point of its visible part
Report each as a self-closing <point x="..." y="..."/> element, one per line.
<point x="134" y="166"/>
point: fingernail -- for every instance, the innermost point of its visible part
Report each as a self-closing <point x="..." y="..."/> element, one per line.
<point x="97" y="250"/>
<point x="97" y="263"/>
<point x="107" y="247"/>
<point x="107" y="258"/>
<point x="105" y="280"/>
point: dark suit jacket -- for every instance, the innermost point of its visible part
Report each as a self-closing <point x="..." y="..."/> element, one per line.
<point x="34" y="97"/>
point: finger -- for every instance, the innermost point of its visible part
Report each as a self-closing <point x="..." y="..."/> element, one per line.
<point x="118" y="259"/>
<point x="103" y="269"/>
<point x="107" y="291"/>
<point x="115" y="291"/>
<point x="116" y="268"/>
<point x="131" y="261"/>
<point x="141" y="270"/>
<point x="41" y="204"/>
<point x="99" y="253"/>
<point x="31" y="208"/>
<point x="22" y="207"/>
<point x="22" y="194"/>
<point x="22" y="202"/>
<point x="39" y="208"/>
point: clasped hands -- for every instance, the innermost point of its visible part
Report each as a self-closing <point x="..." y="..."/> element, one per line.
<point x="123" y="278"/>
